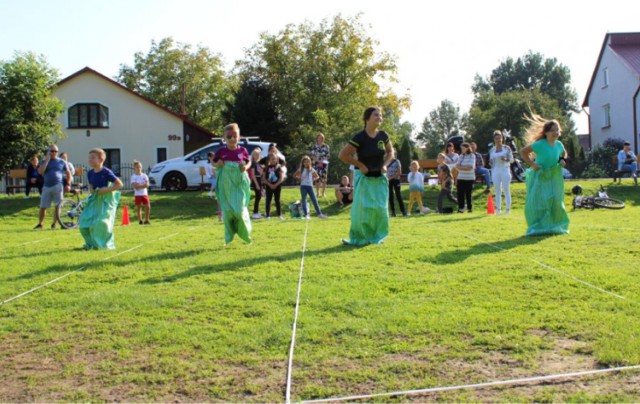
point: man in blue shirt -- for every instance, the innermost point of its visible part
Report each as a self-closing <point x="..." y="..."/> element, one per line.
<point x="54" y="170"/>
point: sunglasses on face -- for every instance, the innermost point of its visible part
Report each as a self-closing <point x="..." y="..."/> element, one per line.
<point x="230" y="136"/>
<point x="53" y="151"/>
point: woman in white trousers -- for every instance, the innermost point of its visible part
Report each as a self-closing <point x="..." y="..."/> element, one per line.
<point x="501" y="157"/>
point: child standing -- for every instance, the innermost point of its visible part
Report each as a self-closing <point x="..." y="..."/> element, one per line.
<point x="140" y="184"/>
<point x="416" y="188"/>
<point x="99" y="214"/>
<point x="307" y="175"/>
<point x="273" y="178"/>
<point x="255" y="174"/>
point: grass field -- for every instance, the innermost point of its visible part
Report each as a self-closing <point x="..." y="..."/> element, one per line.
<point x="447" y="300"/>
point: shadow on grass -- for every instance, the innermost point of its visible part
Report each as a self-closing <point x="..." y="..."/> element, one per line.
<point x="241" y="264"/>
<point x="453" y="256"/>
<point x="93" y="264"/>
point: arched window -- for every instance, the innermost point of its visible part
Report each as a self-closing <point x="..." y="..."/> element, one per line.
<point x="88" y="116"/>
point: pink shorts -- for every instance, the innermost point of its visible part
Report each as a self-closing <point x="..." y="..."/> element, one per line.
<point x="142" y="200"/>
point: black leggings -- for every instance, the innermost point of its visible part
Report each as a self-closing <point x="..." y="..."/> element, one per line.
<point x="270" y="194"/>
<point x="464" y="193"/>
<point x="256" y="203"/>
<point x="394" y="187"/>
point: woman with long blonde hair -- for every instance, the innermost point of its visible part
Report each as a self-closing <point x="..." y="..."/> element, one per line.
<point x="546" y="155"/>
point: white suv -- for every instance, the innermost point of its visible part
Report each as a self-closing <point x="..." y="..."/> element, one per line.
<point x="180" y="173"/>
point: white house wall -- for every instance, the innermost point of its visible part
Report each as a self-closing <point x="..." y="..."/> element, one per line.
<point x="136" y="127"/>
<point x="618" y="94"/>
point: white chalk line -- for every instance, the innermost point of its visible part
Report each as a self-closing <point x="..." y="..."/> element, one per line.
<point x="542" y="264"/>
<point x="480" y="385"/>
<point x="82" y="268"/>
<point x="295" y="318"/>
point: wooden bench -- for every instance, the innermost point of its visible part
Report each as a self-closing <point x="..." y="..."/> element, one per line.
<point x="16" y="180"/>
<point x="618" y="174"/>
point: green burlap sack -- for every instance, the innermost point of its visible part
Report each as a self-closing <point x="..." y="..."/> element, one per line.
<point x="544" y="208"/>
<point x="97" y="220"/>
<point x="234" y="193"/>
<point x="369" y="213"/>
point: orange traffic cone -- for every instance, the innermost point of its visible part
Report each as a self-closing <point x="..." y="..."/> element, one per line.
<point x="491" y="210"/>
<point x="125" y="215"/>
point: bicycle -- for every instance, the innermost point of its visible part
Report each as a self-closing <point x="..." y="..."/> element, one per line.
<point x="592" y="202"/>
<point x="70" y="212"/>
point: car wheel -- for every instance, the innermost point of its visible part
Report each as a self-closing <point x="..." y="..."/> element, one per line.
<point x="175" y="181"/>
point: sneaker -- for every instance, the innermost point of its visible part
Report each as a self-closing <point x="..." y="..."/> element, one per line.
<point x="268" y="217"/>
<point x="460" y="210"/>
<point x="38" y="226"/>
<point x="26" y="197"/>
<point x="323" y="216"/>
<point x="506" y="212"/>
<point x="405" y="214"/>
<point x="281" y="218"/>
<point x="210" y="194"/>
<point x="488" y="190"/>
<point x="140" y="222"/>
<point x="147" y="222"/>
<point x="256" y="216"/>
<point x="426" y="210"/>
<point x="308" y="217"/>
<point x="470" y="210"/>
<point x="53" y="226"/>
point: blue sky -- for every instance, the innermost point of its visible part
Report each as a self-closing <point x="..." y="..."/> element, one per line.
<point x="439" y="46"/>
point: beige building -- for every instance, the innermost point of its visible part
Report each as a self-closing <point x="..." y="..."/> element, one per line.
<point x="100" y="112"/>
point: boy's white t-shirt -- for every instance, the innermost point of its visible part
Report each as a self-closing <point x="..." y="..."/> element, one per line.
<point x="140" y="180"/>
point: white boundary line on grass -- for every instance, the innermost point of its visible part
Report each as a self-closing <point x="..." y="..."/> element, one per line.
<point x="542" y="264"/>
<point x="65" y="275"/>
<point x="23" y="244"/>
<point x="295" y="318"/>
<point x="480" y="385"/>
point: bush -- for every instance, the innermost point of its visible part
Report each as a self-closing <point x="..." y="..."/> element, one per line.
<point x="593" y="171"/>
<point x="602" y="158"/>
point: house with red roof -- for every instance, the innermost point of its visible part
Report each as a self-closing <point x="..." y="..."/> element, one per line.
<point x="100" y="112"/>
<point x="613" y="97"/>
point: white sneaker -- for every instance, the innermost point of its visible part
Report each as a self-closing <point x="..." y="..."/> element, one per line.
<point x="308" y="217"/>
<point x="26" y="197"/>
<point x="268" y="217"/>
<point x="281" y="218"/>
<point x="426" y="210"/>
<point x="210" y="194"/>
<point x="323" y="216"/>
<point x="256" y="216"/>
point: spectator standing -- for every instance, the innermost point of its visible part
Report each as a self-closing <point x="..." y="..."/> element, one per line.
<point x="273" y="178"/>
<point x="140" y="184"/>
<point x="500" y="158"/>
<point x="54" y="170"/>
<point x="394" y="173"/>
<point x="255" y="174"/>
<point x="72" y="170"/>
<point x="34" y="180"/>
<point x="466" y="167"/>
<point x="320" y="156"/>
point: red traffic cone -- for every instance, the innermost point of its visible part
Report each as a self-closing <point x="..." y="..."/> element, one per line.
<point x="491" y="210"/>
<point x="125" y="215"/>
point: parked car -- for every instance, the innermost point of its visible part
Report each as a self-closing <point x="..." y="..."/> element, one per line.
<point x="181" y="173"/>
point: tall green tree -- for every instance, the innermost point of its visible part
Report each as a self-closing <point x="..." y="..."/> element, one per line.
<point x="443" y="122"/>
<point x="322" y="78"/>
<point x="28" y="112"/>
<point x="532" y="72"/>
<point x="171" y="69"/>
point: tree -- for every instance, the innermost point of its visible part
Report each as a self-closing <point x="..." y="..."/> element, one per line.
<point x="532" y="72"/>
<point x="28" y="112"/>
<point x="169" y="70"/>
<point x="321" y="79"/>
<point x="442" y="123"/>
<point x="254" y="111"/>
